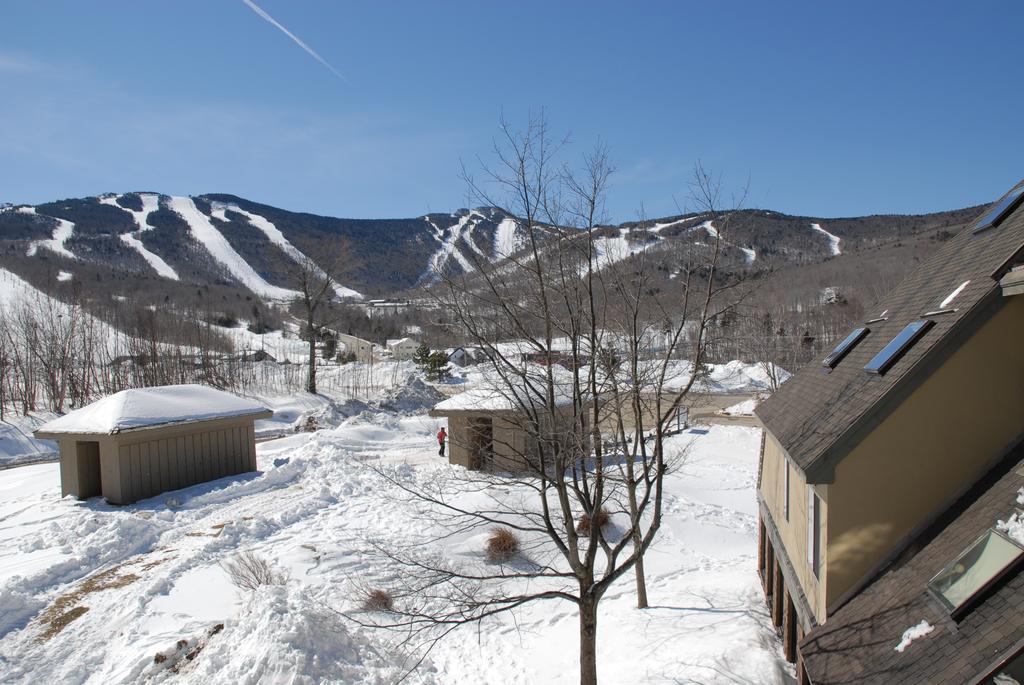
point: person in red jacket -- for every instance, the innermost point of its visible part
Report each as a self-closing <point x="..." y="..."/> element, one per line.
<point x="441" y="437"/>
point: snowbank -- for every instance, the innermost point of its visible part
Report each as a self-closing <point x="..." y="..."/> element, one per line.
<point x="284" y="637"/>
<point x="413" y="395"/>
<point x="731" y="377"/>
<point x="17" y="444"/>
<point x="744" y="408"/>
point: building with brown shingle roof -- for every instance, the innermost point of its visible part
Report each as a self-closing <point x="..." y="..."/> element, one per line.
<point x="866" y="449"/>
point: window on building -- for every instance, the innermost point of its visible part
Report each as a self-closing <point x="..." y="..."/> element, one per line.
<point x="814" y="531"/>
<point x="844" y="347"/>
<point x="785" y="493"/>
<point x="1001" y="210"/>
<point x="978" y="567"/>
<point x="896" y="348"/>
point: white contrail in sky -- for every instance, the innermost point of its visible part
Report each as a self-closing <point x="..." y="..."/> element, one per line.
<point x="259" y="10"/>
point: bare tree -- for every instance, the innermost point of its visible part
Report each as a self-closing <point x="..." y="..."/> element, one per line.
<point x="581" y="320"/>
<point x="317" y="290"/>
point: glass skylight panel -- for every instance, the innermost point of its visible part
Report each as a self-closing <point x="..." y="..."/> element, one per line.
<point x="977" y="568"/>
<point x="1001" y="210"/>
<point x="843" y="348"/>
<point x="892" y="352"/>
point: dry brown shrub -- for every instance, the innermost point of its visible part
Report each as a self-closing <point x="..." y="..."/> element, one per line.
<point x="378" y="600"/>
<point x="502" y="545"/>
<point x="584" y="523"/>
<point x="248" y="571"/>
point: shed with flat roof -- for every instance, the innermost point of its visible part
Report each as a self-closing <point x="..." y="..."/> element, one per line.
<point x="141" y="442"/>
<point x="499" y="424"/>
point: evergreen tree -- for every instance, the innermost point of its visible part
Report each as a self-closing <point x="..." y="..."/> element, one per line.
<point x="420" y="356"/>
<point x="436" y="367"/>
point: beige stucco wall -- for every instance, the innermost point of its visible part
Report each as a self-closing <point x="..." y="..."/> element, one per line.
<point x="404" y="350"/>
<point x="942" y="438"/>
<point x="793" y="532"/>
<point x="362" y="349"/>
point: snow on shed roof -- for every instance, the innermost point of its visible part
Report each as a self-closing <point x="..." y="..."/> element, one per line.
<point x="492" y="393"/>
<point x="149" y="407"/>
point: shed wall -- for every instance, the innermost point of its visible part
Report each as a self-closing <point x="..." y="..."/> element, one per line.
<point x="510" y="440"/>
<point x="151" y="462"/>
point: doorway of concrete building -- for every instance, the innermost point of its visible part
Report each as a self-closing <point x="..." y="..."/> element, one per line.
<point x="481" y="442"/>
<point x="87" y="468"/>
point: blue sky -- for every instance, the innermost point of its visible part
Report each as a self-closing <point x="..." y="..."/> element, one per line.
<point x="829" y="108"/>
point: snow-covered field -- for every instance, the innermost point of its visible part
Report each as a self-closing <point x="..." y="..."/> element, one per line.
<point x="94" y="593"/>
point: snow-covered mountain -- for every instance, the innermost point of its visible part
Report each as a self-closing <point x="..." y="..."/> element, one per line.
<point x="221" y="247"/>
<point x="229" y="241"/>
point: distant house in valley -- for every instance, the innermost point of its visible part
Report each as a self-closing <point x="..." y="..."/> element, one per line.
<point x="886" y="468"/>
<point x="138" y="443"/>
<point x="402" y="348"/>
<point x="375" y="308"/>
<point x="492" y="427"/>
<point x="465" y="356"/>
<point x="361" y="349"/>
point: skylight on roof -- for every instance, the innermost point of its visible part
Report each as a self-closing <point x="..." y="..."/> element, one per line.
<point x="1001" y="210"/>
<point x="977" y="568"/>
<point x="903" y="341"/>
<point x="952" y="296"/>
<point x="843" y="348"/>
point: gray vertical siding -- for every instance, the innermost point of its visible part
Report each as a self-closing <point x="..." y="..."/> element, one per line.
<point x="147" y="467"/>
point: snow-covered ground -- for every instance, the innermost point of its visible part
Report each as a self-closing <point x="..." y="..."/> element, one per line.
<point x="131" y="583"/>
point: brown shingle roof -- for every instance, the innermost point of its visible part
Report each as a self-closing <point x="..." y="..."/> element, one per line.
<point x="858" y="643"/>
<point x="818" y="417"/>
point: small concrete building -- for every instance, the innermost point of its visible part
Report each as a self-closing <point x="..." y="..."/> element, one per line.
<point x="490" y="430"/>
<point x="138" y="443"/>
<point x="402" y="348"/>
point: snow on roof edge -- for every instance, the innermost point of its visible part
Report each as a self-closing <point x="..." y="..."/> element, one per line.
<point x="144" y="408"/>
